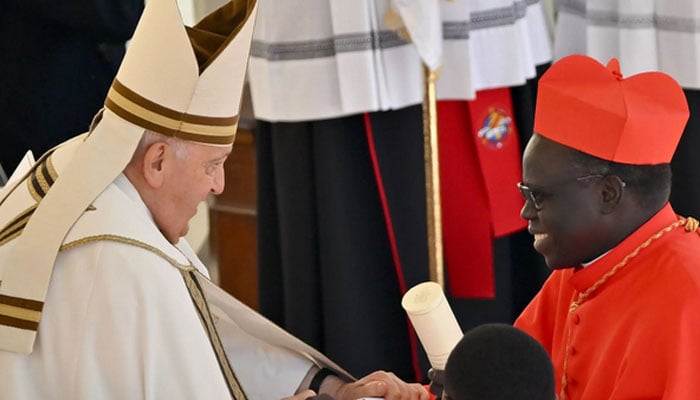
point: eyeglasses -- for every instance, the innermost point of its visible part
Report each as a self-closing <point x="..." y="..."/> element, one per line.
<point x="535" y="194"/>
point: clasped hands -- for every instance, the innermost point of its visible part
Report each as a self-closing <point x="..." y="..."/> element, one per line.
<point x="378" y="384"/>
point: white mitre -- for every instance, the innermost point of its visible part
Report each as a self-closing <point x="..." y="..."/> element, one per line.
<point x="176" y="80"/>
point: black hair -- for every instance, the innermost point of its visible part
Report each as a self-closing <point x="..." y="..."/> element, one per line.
<point x="649" y="184"/>
<point x="498" y="362"/>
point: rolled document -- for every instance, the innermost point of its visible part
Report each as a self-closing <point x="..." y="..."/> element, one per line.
<point x="435" y="324"/>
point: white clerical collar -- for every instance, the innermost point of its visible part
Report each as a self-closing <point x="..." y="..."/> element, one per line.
<point x="584" y="265"/>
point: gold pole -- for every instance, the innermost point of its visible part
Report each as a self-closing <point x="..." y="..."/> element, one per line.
<point x="432" y="179"/>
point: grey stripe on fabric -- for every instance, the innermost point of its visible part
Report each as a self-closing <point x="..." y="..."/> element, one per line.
<point x="451" y="30"/>
<point x="292" y="50"/>
<point x="607" y="18"/>
<point x="630" y="21"/>
<point x="498" y="16"/>
<point x="326" y="47"/>
<point x="678" y="24"/>
<point x="382" y="40"/>
<point x="455" y="30"/>
<point x="575" y="7"/>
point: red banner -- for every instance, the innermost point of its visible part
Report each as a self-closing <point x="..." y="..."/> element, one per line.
<point x="480" y="164"/>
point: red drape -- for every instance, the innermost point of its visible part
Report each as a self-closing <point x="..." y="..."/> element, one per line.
<point x="480" y="164"/>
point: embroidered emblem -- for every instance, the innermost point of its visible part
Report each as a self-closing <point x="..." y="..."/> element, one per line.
<point x="496" y="127"/>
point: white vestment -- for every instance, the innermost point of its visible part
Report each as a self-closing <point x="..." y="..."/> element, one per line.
<point x="321" y="59"/>
<point x="119" y="322"/>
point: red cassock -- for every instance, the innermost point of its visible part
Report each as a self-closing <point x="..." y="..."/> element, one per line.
<point x="636" y="336"/>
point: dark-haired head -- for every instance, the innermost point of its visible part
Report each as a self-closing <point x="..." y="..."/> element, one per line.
<point x="649" y="185"/>
<point x="498" y="362"/>
<point x="579" y="206"/>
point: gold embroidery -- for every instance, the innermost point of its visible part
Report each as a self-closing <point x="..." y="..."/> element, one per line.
<point x="129" y="241"/>
<point x="207" y="321"/>
<point x="198" y="299"/>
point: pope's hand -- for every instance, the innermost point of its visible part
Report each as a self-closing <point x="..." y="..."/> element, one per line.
<point x="382" y="384"/>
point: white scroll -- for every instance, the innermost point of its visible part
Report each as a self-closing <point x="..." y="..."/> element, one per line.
<point x="435" y="324"/>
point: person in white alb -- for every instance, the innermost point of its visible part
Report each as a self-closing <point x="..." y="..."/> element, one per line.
<point x="100" y="297"/>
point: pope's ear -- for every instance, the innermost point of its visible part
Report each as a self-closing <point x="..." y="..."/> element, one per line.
<point x="153" y="167"/>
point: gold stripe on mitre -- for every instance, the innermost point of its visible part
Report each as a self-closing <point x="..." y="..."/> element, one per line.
<point x="134" y="108"/>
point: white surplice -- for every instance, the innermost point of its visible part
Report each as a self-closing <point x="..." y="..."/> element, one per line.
<point x="322" y="59"/>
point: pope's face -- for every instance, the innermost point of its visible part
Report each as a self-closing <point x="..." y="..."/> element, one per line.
<point x="187" y="182"/>
<point x="566" y="228"/>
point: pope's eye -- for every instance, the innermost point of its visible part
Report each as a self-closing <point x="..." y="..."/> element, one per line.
<point x="211" y="167"/>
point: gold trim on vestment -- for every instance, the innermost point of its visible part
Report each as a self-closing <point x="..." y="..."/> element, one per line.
<point x="20" y="313"/>
<point x="196" y="295"/>
<point x="205" y="317"/>
<point x="28" y="304"/>
<point x="38" y="183"/>
<point x="41" y="179"/>
<point x="14" y="228"/>
<point x="18" y="323"/>
<point x="129" y="241"/>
